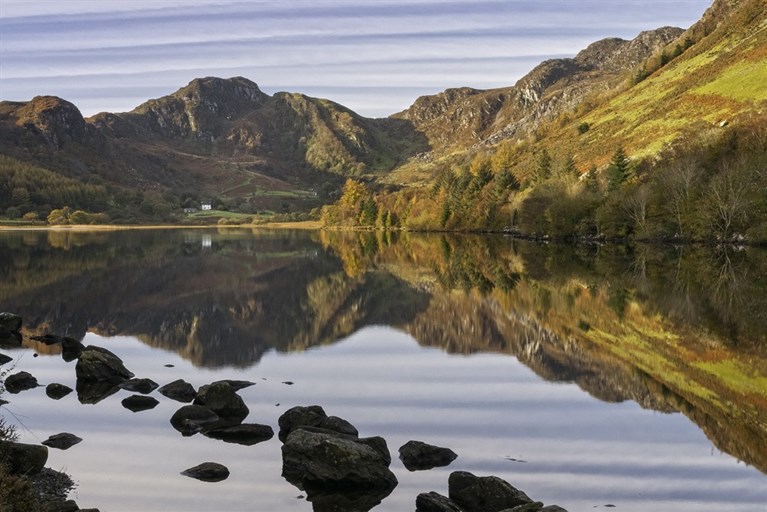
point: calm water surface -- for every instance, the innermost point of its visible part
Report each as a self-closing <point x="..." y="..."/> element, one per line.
<point x="585" y="377"/>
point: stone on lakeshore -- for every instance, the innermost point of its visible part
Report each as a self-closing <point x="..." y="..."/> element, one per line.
<point x="222" y="399"/>
<point x="99" y="364"/>
<point x="24" y="459"/>
<point x="57" y="391"/>
<point x="10" y="321"/>
<point x="191" y="419"/>
<point x="63" y="441"/>
<point x="208" y="472"/>
<point x="5" y="359"/>
<point x="417" y="455"/>
<point x="313" y="416"/>
<point x="138" y="403"/>
<point x="178" y="390"/>
<point x="20" y="381"/>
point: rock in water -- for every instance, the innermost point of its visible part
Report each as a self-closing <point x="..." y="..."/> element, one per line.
<point x="5" y="359"/>
<point x="316" y="461"/>
<point x="24" y="459"/>
<point x="19" y="382"/>
<point x="484" y="494"/>
<point x="71" y="349"/>
<point x="10" y="321"/>
<point x="63" y="441"/>
<point x="435" y="502"/>
<point x="222" y="399"/>
<point x="208" y="472"/>
<point x="313" y="416"/>
<point x="191" y="419"/>
<point x="99" y="364"/>
<point x="247" y="434"/>
<point x="57" y="391"/>
<point x="178" y="390"/>
<point x="416" y="455"/>
<point x="137" y="403"/>
<point x="143" y="386"/>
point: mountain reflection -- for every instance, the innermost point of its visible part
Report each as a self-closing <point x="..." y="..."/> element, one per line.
<point x="674" y="329"/>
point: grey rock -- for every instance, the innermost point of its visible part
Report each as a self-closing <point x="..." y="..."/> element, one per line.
<point x="313" y="416"/>
<point x="208" y="472"/>
<point x="71" y="349"/>
<point x="417" y="455"/>
<point x="63" y="441"/>
<point x="222" y="399"/>
<point x="57" y="391"/>
<point x="50" y="339"/>
<point x="10" y="321"/>
<point x="191" y="419"/>
<point x="20" y="381"/>
<point x="314" y="460"/>
<point x="23" y="459"/>
<point x="484" y="494"/>
<point x="143" y="386"/>
<point x="435" y="502"/>
<point x="137" y="403"/>
<point x="246" y="434"/>
<point x="178" y="390"/>
<point x="237" y="384"/>
<point x="5" y="359"/>
<point x="99" y="364"/>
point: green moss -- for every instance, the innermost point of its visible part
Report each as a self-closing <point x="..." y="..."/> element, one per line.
<point x="746" y="81"/>
<point x="736" y="376"/>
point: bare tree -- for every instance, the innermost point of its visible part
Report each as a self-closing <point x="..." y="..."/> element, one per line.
<point x="678" y="190"/>
<point x="635" y="207"/>
<point x="729" y="201"/>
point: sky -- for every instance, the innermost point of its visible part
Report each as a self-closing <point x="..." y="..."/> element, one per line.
<point x="373" y="56"/>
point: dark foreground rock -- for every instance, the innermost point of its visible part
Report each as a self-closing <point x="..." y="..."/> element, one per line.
<point x="208" y="472"/>
<point x="23" y="459"/>
<point x="313" y="416"/>
<point x="94" y="391"/>
<point x="57" y="391"/>
<point x="178" y="390"/>
<point x="246" y="434"/>
<point x="191" y="419"/>
<point x="417" y="455"/>
<point x="315" y="461"/>
<point x="71" y="349"/>
<point x="63" y="441"/>
<point x="10" y="321"/>
<point x="99" y="364"/>
<point x="435" y="502"/>
<point x="138" y="403"/>
<point x="484" y="494"/>
<point x="143" y="386"/>
<point x="237" y="384"/>
<point x="5" y="359"/>
<point x="221" y="398"/>
<point x="20" y="381"/>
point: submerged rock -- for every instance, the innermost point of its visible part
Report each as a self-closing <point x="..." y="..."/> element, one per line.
<point x="484" y="494"/>
<point x="138" y="403"/>
<point x="99" y="364"/>
<point x="191" y="419"/>
<point x="178" y="390"/>
<point x="417" y="455"/>
<point x="246" y="434"/>
<point x="63" y="441"/>
<point x="57" y="391"/>
<point x="208" y="472"/>
<point x="143" y="386"/>
<point x="23" y="459"/>
<point x="435" y="502"/>
<point x="20" y="381"/>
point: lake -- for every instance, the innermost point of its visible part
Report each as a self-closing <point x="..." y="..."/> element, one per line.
<point x="586" y="376"/>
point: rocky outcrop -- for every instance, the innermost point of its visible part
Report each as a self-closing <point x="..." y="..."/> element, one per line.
<point x="435" y="502"/>
<point x="191" y="419"/>
<point x="222" y="399"/>
<point x="10" y="322"/>
<point x="484" y="494"/>
<point x="99" y="364"/>
<point x="313" y="416"/>
<point x="23" y="459"/>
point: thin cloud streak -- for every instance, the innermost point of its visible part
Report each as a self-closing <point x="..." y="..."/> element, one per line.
<point x="402" y="46"/>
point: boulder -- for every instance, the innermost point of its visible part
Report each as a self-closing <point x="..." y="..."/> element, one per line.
<point x="138" y="403"/>
<point x="313" y="416"/>
<point x="315" y="461"/>
<point x="20" y="381"/>
<point x="222" y="399"/>
<point x="417" y="455"/>
<point x="237" y="384"/>
<point x="23" y="459"/>
<point x="178" y="390"/>
<point x="346" y="500"/>
<point x="143" y="386"/>
<point x="63" y="441"/>
<point x="57" y="391"/>
<point x="71" y="349"/>
<point x="435" y="502"/>
<point x="191" y="419"/>
<point x="247" y="434"/>
<point x="5" y="359"/>
<point x="208" y="472"/>
<point x="484" y="494"/>
<point x="10" y="322"/>
<point x="99" y="364"/>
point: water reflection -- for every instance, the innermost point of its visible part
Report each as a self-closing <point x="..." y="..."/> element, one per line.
<point x="672" y="329"/>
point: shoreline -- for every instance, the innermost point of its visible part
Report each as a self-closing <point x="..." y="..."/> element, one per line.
<point x="307" y="225"/>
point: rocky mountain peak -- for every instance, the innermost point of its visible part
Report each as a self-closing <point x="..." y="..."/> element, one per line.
<point x="57" y="120"/>
<point x="616" y="54"/>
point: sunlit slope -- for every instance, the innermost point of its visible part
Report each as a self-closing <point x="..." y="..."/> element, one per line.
<point x="720" y="79"/>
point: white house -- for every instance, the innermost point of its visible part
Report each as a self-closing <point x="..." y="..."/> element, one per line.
<point x="205" y="206"/>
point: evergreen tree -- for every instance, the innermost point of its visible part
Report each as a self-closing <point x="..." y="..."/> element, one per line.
<point x="619" y="169"/>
